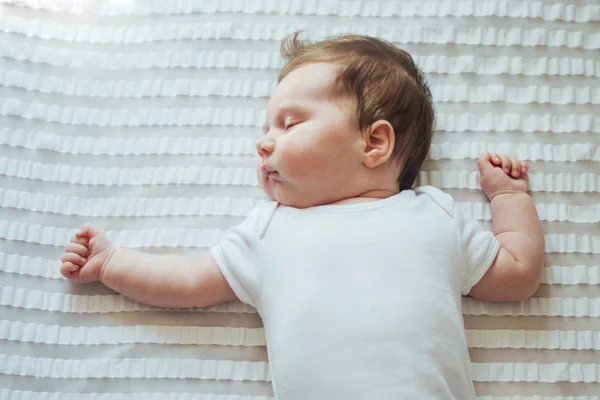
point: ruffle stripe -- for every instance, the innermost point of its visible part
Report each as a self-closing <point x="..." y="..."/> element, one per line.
<point x="517" y="122"/>
<point x="538" y="182"/>
<point x="26" y="395"/>
<point x="255" y="118"/>
<point x="178" y="206"/>
<point x="126" y="206"/>
<point x="516" y="95"/>
<point x="258" y="371"/>
<point x="211" y="87"/>
<point x="572" y="243"/>
<point x="532" y="372"/>
<point x="128" y="146"/>
<point x="69" y="303"/>
<point x="49" y="301"/>
<point x="52" y="236"/>
<point x="192" y="59"/>
<point x="480" y="8"/>
<point x="185" y="368"/>
<point x="536" y="306"/>
<point x="33" y="266"/>
<point x="123" y="146"/>
<point x="138" y="116"/>
<point x="272" y="60"/>
<point x="565" y="152"/>
<point x="114" y="335"/>
<point x="160" y="334"/>
<point x="546" y="212"/>
<point x="128" y="176"/>
<point x="129" y="34"/>
<point x="50" y="269"/>
<point x="576" y="275"/>
<point x="537" y="398"/>
<point x="529" y="339"/>
<point x="263" y="88"/>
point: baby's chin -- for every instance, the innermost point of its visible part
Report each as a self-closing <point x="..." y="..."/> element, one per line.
<point x="269" y="189"/>
<point x="285" y="200"/>
<point x="270" y="192"/>
<point x="281" y="195"/>
<point x="266" y="187"/>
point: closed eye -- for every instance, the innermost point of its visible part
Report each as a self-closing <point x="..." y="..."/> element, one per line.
<point x="290" y="125"/>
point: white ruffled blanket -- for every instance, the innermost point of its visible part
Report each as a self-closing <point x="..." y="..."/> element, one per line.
<point x="141" y="117"/>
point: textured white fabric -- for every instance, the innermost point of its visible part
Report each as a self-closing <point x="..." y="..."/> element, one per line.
<point x="361" y="301"/>
<point x="141" y="117"/>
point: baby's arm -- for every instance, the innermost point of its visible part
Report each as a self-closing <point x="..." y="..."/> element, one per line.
<point x="517" y="270"/>
<point x="169" y="281"/>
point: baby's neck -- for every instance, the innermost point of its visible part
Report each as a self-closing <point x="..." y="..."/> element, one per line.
<point x="371" y="195"/>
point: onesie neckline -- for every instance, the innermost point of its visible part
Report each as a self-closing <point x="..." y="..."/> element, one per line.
<point x="371" y="205"/>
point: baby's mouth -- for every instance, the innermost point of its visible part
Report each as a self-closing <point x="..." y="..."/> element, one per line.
<point x="269" y="173"/>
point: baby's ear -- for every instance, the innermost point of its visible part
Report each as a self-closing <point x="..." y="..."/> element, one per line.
<point x="379" y="141"/>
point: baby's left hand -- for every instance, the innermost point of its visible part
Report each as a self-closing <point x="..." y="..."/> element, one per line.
<point x="500" y="174"/>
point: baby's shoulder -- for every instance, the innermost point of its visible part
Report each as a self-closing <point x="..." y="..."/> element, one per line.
<point x="443" y="200"/>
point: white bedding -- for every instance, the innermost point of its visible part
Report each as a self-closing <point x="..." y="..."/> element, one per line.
<point x="141" y="117"/>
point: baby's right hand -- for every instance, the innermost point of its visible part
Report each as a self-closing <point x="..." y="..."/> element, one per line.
<point x="86" y="255"/>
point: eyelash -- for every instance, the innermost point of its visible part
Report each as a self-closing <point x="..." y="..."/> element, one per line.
<point x="286" y="127"/>
<point x="289" y="126"/>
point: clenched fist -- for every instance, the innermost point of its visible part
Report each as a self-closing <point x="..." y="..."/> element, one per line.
<point x="86" y="254"/>
<point x="500" y="174"/>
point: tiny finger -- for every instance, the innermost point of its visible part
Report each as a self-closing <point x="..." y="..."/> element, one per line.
<point x="506" y="163"/>
<point x="68" y="268"/>
<point x="83" y="232"/>
<point x="495" y="159"/>
<point x="516" y="168"/>
<point x="484" y="163"/>
<point x="77" y="249"/>
<point x="74" y="259"/>
<point x="87" y="231"/>
<point x="79" y="240"/>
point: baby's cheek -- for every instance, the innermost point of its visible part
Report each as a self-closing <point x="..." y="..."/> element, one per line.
<point x="300" y="162"/>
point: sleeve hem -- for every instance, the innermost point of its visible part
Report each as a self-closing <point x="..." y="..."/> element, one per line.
<point x="479" y="272"/>
<point x="234" y="283"/>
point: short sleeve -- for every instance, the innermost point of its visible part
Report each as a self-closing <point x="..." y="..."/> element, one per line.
<point x="478" y="249"/>
<point x="238" y="254"/>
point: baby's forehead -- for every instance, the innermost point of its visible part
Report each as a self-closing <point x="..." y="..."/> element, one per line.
<point x="313" y="80"/>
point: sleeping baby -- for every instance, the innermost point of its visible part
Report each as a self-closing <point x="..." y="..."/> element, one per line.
<point x="357" y="276"/>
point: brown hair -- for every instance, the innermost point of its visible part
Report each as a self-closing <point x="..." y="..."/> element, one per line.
<point x="387" y="85"/>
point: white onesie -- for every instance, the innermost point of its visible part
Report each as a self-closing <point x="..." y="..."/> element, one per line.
<point x="361" y="301"/>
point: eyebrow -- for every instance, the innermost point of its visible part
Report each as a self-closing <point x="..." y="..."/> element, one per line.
<point x="287" y="107"/>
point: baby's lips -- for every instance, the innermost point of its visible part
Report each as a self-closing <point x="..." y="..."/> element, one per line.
<point x="266" y="168"/>
<point x="268" y="172"/>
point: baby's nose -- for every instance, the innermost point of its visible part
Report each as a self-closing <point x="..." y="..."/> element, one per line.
<point x="265" y="147"/>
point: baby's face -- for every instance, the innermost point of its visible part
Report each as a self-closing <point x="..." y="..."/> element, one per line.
<point x="311" y="146"/>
